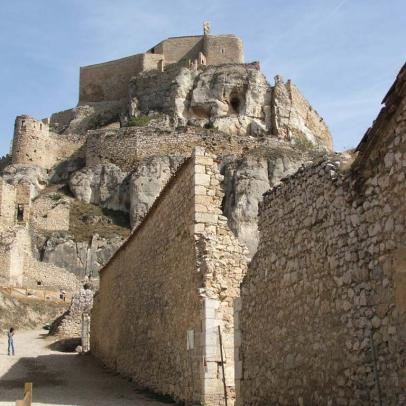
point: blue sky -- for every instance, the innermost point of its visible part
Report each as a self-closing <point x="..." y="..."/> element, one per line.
<point x="342" y="54"/>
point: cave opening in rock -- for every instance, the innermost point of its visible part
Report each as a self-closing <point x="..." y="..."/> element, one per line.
<point x="235" y="104"/>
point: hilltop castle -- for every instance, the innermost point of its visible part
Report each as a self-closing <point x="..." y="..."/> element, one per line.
<point x="241" y="256"/>
<point x="108" y="81"/>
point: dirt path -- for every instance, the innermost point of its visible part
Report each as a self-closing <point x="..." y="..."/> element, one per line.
<point x="61" y="378"/>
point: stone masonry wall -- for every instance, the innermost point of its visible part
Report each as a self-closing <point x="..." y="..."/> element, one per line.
<point x="293" y="116"/>
<point x="13" y="246"/>
<point x="70" y="323"/>
<point x="50" y="213"/>
<point x="109" y="80"/>
<point x="7" y="204"/>
<point x="178" y="48"/>
<point x="154" y="273"/>
<point x="183" y="267"/>
<point x="126" y="146"/>
<point x="223" y="49"/>
<point x="327" y="286"/>
<point x="34" y="144"/>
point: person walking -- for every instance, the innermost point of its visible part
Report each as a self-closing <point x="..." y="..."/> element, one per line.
<point x="10" y="336"/>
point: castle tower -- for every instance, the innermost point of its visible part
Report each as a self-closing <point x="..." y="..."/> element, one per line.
<point x="30" y="141"/>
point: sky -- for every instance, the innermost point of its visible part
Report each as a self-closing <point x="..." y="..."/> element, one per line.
<point x="342" y="54"/>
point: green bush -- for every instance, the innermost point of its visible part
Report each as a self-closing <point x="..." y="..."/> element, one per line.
<point x="55" y="197"/>
<point x="302" y="143"/>
<point x="210" y="126"/>
<point x="138" y="121"/>
<point x="100" y="120"/>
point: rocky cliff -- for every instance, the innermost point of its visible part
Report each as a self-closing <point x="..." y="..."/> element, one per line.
<point x="84" y="206"/>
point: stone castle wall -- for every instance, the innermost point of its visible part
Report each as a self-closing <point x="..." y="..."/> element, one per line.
<point x="179" y="48"/>
<point x="293" y="116"/>
<point x="12" y="198"/>
<point x="7" y="204"/>
<point x="327" y="286"/>
<point x="14" y="243"/>
<point x="50" y="213"/>
<point x="223" y="49"/>
<point x="183" y="267"/>
<point x="155" y="90"/>
<point x="109" y="81"/>
<point x="34" y="144"/>
<point x="125" y="147"/>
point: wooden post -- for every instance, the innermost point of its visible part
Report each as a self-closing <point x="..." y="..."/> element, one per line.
<point x="222" y="366"/>
<point x="27" y="401"/>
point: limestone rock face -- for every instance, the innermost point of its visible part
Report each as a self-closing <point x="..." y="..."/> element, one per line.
<point x="147" y="182"/>
<point x="245" y="181"/>
<point x="101" y="186"/>
<point x="34" y="175"/>
<point x="234" y="98"/>
<point x="86" y="117"/>
<point x="79" y="257"/>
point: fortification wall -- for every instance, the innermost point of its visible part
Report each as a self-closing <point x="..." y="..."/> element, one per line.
<point x="127" y="292"/>
<point x="126" y="146"/>
<point x="108" y="81"/>
<point x="14" y="243"/>
<point x="155" y="90"/>
<point x="7" y="204"/>
<point x="48" y="275"/>
<point x="294" y="117"/>
<point x="50" y="213"/>
<point x="180" y="48"/>
<point x="184" y="235"/>
<point x="327" y="286"/>
<point x="34" y="144"/>
<point x="220" y="49"/>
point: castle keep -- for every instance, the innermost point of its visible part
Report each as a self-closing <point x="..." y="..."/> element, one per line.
<point x="239" y="260"/>
<point x="108" y="81"/>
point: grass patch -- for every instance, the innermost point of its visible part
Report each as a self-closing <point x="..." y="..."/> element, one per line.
<point x="138" y="121"/>
<point x="88" y="219"/>
<point x="302" y="143"/>
<point x="100" y="120"/>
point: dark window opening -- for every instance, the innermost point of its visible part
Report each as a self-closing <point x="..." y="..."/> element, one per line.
<point x="152" y="50"/>
<point x="235" y="104"/>
<point x="20" y="212"/>
<point x="39" y="283"/>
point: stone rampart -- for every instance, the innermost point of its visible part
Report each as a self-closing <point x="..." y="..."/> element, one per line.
<point x="182" y="266"/>
<point x="294" y="118"/>
<point x="7" y="204"/>
<point x="14" y="243"/>
<point x="323" y="304"/>
<point x="109" y="81"/>
<point x="50" y="213"/>
<point x="126" y="146"/>
<point x="176" y="49"/>
<point x="34" y="144"/>
<point x="220" y="49"/>
<point x="70" y="323"/>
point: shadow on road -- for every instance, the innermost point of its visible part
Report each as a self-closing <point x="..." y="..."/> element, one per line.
<point x="71" y="379"/>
